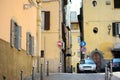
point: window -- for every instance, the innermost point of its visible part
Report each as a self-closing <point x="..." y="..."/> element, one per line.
<point x="116" y="29"/>
<point x="15" y="35"/>
<point x="95" y="30"/>
<point x="42" y="53"/>
<point x="45" y="25"/>
<point x="29" y="43"/>
<point x="116" y="3"/>
<point x="94" y="3"/>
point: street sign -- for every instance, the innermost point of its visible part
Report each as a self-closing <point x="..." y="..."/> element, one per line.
<point x="59" y="43"/>
<point x="83" y="49"/>
<point x="83" y="43"/>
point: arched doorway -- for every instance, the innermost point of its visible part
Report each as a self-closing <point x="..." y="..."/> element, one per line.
<point x="97" y="56"/>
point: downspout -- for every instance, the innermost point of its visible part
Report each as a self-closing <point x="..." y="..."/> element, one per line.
<point x="81" y="27"/>
<point x="63" y="33"/>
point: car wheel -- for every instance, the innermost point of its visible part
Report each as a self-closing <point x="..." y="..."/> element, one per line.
<point x="98" y="69"/>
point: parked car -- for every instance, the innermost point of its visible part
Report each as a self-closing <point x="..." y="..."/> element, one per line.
<point x="116" y="64"/>
<point x="86" y="65"/>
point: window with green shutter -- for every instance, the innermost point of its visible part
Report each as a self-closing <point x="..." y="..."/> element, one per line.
<point x="15" y="35"/>
<point x="29" y="44"/>
<point x="116" y="28"/>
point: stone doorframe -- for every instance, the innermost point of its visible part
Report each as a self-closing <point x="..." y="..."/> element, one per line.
<point x="101" y="58"/>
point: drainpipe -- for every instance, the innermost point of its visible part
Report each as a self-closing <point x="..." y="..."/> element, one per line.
<point x="38" y="34"/>
<point x="80" y="19"/>
<point x="63" y="33"/>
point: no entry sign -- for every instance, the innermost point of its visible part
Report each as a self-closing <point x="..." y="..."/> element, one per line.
<point x="59" y="43"/>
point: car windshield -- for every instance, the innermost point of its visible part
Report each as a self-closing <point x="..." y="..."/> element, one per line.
<point x="116" y="60"/>
<point x="87" y="61"/>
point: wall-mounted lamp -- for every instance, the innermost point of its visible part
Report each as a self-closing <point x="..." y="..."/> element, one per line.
<point x="94" y="3"/>
<point x="32" y="3"/>
<point x="109" y="28"/>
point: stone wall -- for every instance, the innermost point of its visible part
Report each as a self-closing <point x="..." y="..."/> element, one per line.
<point x="12" y="62"/>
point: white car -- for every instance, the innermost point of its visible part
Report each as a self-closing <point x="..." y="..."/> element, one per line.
<point x="87" y="65"/>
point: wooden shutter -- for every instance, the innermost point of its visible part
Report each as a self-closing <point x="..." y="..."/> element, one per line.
<point x="42" y="53"/>
<point x="116" y="3"/>
<point x="27" y="42"/>
<point x="18" y="37"/>
<point x="118" y="28"/>
<point x="43" y="20"/>
<point x="115" y="29"/>
<point x="30" y="44"/>
<point x="47" y="21"/>
<point x="32" y="41"/>
<point x="12" y="33"/>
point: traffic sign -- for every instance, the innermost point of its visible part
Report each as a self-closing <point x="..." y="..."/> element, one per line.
<point x="59" y="43"/>
<point x="83" y="43"/>
<point x="83" y="49"/>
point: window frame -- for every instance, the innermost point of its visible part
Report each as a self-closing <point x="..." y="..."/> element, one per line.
<point x="29" y="44"/>
<point x="116" y="29"/>
<point x="45" y="20"/>
<point x="15" y="35"/>
<point x="116" y="3"/>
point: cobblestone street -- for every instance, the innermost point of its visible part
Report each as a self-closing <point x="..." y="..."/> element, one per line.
<point x="83" y="76"/>
<point x="75" y="76"/>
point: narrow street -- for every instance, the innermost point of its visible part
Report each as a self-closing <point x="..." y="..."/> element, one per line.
<point x="81" y="76"/>
<point x="75" y="76"/>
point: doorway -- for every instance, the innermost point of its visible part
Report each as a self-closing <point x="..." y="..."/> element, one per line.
<point x="97" y="56"/>
<point x="97" y="59"/>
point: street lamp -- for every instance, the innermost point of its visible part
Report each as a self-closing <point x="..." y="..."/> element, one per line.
<point x="36" y="3"/>
<point x="38" y="35"/>
<point x="109" y="28"/>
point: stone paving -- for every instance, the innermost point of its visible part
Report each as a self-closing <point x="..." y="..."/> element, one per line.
<point x="83" y="76"/>
<point x="75" y="76"/>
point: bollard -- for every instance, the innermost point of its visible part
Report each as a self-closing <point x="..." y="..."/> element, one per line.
<point x="21" y="75"/>
<point x="106" y="72"/>
<point x="111" y="68"/>
<point x="41" y="76"/>
<point x="60" y="67"/>
<point x="4" y="78"/>
<point x="47" y="72"/>
<point x="33" y="73"/>
<point x="109" y="77"/>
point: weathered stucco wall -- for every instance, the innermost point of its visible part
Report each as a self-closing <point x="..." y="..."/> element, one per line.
<point x="12" y="62"/>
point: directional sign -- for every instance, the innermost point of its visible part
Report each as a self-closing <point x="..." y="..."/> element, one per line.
<point x="83" y="43"/>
